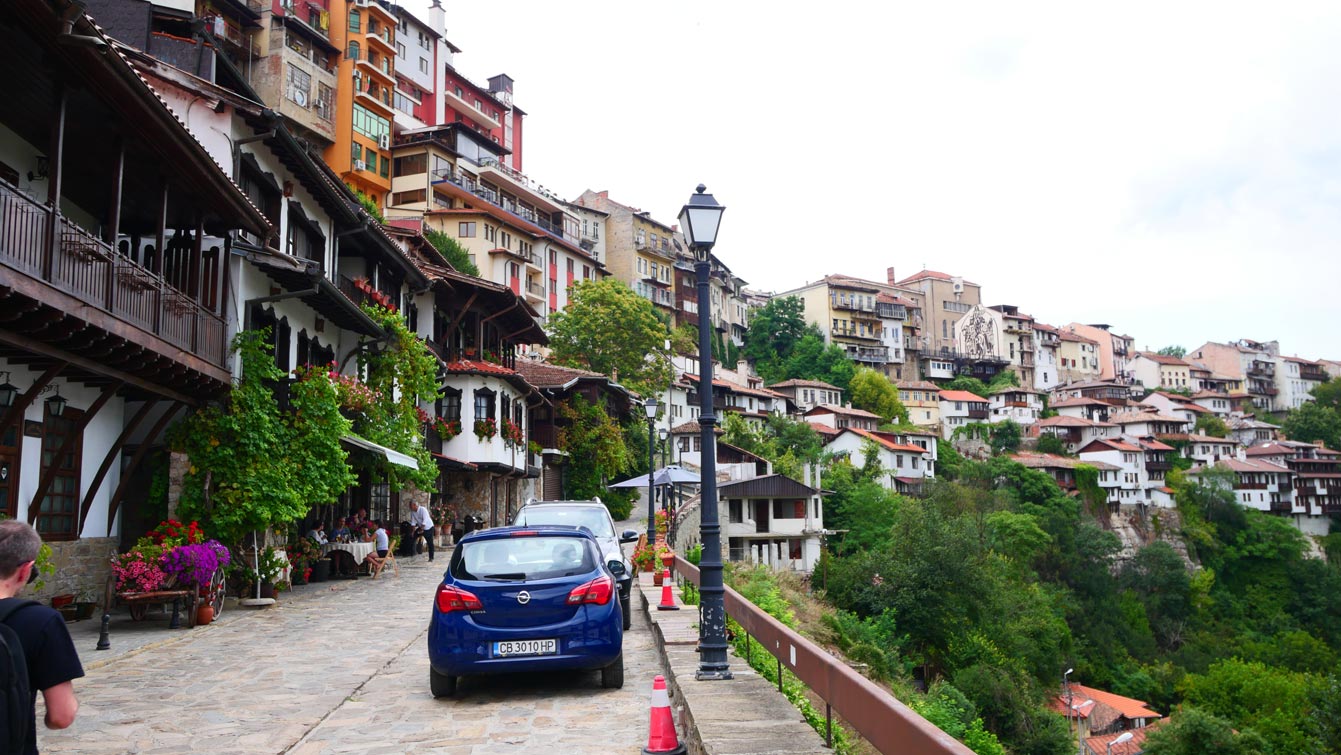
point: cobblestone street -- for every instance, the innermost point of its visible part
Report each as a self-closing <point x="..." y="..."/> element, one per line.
<point x="335" y="667"/>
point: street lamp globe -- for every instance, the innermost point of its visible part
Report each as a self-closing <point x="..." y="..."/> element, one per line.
<point x="650" y="406"/>
<point x="699" y="221"/>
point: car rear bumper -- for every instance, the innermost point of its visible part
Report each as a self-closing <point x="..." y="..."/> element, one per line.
<point x="459" y="647"/>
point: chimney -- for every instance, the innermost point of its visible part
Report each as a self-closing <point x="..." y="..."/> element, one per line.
<point x="889" y="273"/>
<point x="437" y="18"/>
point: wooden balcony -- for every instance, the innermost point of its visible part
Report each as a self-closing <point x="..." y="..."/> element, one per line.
<point x="82" y="266"/>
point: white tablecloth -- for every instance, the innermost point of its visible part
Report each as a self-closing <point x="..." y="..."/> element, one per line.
<point x="359" y="551"/>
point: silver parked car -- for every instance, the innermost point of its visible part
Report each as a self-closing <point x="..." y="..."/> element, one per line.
<point x="596" y="517"/>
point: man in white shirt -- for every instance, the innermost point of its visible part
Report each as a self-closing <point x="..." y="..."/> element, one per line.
<point x="423" y="525"/>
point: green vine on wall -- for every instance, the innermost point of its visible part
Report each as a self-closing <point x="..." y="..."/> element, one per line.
<point x="261" y="467"/>
<point x="404" y="373"/>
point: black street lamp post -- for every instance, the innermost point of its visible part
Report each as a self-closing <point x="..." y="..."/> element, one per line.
<point x="699" y="221"/>
<point x="650" y="406"/>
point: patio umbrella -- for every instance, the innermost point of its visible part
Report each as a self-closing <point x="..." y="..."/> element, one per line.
<point x="671" y="475"/>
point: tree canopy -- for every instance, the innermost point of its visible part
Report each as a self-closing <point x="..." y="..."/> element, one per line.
<point x="452" y="251"/>
<point x="607" y="328"/>
<point x="1173" y="351"/>
<point x="872" y="392"/>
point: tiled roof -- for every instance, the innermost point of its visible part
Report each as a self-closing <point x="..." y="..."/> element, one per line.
<point x="1248" y="465"/>
<point x="694" y="427"/>
<point x="1126" y="706"/>
<point x="1195" y="438"/>
<point x="1114" y="443"/>
<point x="1163" y="359"/>
<point x="1067" y="335"/>
<point x="886" y="442"/>
<point x="1099" y="745"/>
<point x="844" y="411"/>
<point x="1270" y="449"/>
<point x="1053" y="461"/>
<point x="546" y="375"/>
<point x="1079" y="401"/>
<point x="1127" y="418"/>
<point x="1209" y="394"/>
<point x="962" y="396"/>
<point x="917" y="385"/>
<point x="477" y="366"/>
<point x="1150" y="444"/>
<point x="804" y="384"/>
<point x="824" y="429"/>
<point x="1062" y="421"/>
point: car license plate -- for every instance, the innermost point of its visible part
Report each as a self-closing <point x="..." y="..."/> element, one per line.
<point x="526" y="647"/>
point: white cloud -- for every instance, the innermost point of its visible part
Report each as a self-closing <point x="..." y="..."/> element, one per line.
<point x="1168" y="168"/>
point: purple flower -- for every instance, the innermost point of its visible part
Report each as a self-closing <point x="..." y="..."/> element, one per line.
<point x="195" y="564"/>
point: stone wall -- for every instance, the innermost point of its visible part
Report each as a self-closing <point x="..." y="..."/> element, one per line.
<point x="82" y="569"/>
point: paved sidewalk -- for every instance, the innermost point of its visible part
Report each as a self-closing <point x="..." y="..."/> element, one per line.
<point x="741" y="716"/>
<point x="256" y="681"/>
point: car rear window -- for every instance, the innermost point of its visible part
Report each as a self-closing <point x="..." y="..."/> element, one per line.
<point x="592" y="518"/>
<point x="523" y="558"/>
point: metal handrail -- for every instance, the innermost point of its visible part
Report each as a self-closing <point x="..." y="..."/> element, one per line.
<point x="889" y="725"/>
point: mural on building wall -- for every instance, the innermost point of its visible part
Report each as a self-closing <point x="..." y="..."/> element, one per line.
<point x="979" y="335"/>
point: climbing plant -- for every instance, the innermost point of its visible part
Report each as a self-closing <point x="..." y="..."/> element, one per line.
<point x="401" y="374"/>
<point x="247" y="471"/>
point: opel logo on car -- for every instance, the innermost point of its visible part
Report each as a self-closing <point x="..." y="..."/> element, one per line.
<point x="523" y="597"/>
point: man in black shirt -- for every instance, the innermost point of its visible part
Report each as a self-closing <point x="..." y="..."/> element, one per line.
<point x="51" y="656"/>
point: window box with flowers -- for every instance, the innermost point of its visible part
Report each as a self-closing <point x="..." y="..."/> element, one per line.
<point x="513" y="434"/>
<point x="485" y="428"/>
<point x="446" y="428"/>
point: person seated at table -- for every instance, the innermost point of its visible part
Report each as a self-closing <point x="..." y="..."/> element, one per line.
<point x="359" y="518"/>
<point x="318" y="534"/>
<point x="383" y="546"/>
<point x="341" y="533"/>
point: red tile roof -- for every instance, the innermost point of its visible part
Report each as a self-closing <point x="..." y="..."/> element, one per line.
<point x="1114" y="443"/>
<point x="1079" y="401"/>
<point x="1270" y="449"/>
<point x="1163" y="359"/>
<point x="1064" y="421"/>
<point x="824" y="429"/>
<point x="961" y="396"/>
<point x="917" y="385"/>
<point x="1125" y="706"/>
<point x="886" y="442"/>
<point x="477" y="366"/>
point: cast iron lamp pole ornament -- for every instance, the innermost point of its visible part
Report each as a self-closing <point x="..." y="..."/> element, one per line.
<point x="699" y="221"/>
<point x="650" y="406"/>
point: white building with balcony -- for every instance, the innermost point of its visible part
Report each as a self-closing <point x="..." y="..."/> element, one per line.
<point x="772" y="520"/>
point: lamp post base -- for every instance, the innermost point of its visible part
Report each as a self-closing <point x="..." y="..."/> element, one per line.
<point x="716" y="675"/>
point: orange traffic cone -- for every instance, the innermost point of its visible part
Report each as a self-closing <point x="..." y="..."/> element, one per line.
<point x="661" y="737"/>
<point x="667" y="597"/>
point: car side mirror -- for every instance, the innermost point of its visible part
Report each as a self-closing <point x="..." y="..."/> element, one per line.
<point x="629" y="536"/>
<point x="616" y="568"/>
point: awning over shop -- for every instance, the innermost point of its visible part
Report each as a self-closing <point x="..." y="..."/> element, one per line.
<point x="392" y="455"/>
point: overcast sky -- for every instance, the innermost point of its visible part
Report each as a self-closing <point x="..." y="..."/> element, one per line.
<point x="1169" y="168"/>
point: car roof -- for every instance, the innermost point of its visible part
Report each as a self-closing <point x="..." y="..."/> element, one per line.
<point x="541" y="530"/>
<point x="534" y="502"/>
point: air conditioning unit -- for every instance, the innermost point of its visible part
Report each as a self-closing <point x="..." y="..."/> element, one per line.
<point x="384" y="141"/>
<point x="958" y="285"/>
<point x="360" y="165"/>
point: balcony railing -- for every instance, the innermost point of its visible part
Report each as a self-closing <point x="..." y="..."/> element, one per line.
<point x="535" y="289"/>
<point x="493" y="198"/>
<point x="85" y="267"/>
<point x="850" y="304"/>
<point x="978" y="413"/>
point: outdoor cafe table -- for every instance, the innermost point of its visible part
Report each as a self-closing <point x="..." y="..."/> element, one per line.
<point x="359" y="551"/>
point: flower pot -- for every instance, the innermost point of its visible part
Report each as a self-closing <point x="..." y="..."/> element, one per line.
<point x="668" y="558"/>
<point x="60" y="601"/>
<point x="204" y="614"/>
<point x="321" y="570"/>
<point x="84" y="610"/>
<point x="267" y="590"/>
<point x="67" y="612"/>
<point x="657" y="577"/>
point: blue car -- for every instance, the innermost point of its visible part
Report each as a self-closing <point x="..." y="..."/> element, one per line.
<point x="517" y="599"/>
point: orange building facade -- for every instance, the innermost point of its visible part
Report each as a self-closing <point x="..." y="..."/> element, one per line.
<point x="365" y="106"/>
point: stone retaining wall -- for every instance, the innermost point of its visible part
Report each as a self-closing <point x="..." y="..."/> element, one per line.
<point x="82" y="569"/>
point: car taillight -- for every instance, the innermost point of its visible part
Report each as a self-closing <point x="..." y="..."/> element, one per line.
<point x="455" y="599"/>
<point x="596" y="591"/>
